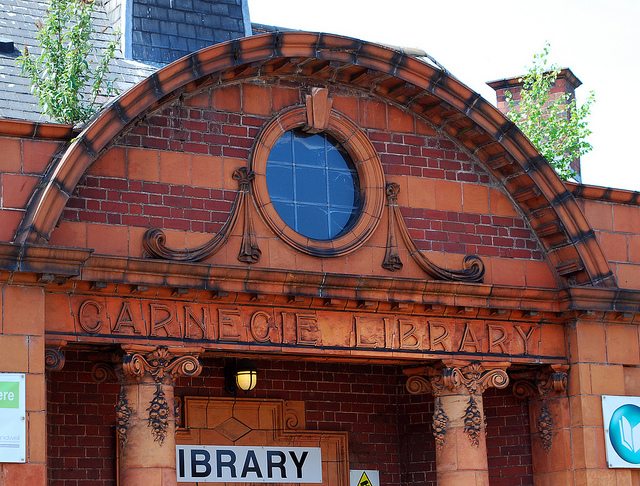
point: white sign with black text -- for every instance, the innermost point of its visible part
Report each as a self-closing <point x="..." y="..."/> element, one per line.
<point x="13" y="424"/>
<point x="248" y="464"/>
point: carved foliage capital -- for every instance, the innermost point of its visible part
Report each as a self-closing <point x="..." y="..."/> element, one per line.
<point x="159" y="365"/>
<point x="475" y="377"/>
<point x="541" y="383"/>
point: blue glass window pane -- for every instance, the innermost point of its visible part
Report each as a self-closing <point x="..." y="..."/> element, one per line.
<point x="281" y="150"/>
<point x="337" y="157"/>
<point x="280" y="181"/>
<point x="286" y="212"/>
<point x="339" y="220"/>
<point x="313" y="222"/>
<point x="308" y="150"/>
<point x="341" y="188"/>
<point x="313" y="184"/>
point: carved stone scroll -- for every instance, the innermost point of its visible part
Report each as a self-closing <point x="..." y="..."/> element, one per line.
<point x="475" y="378"/>
<point x="53" y="355"/>
<point x="473" y="270"/>
<point x="160" y="364"/>
<point x="154" y="239"/>
<point x="102" y="372"/>
<point x="418" y="385"/>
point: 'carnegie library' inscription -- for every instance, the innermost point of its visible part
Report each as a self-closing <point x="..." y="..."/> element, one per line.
<point x="218" y="325"/>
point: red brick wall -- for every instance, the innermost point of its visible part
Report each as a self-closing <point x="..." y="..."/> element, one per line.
<point x="417" y="445"/>
<point x="469" y="218"/>
<point x="80" y="426"/>
<point x="508" y="442"/>
<point x="149" y="204"/>
<point x="389" y="429"/>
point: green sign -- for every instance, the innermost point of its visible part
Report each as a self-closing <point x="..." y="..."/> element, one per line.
<point x="9" y="394"/>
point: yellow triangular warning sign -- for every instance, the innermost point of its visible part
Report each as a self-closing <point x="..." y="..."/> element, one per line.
<point x="364" y="480"/>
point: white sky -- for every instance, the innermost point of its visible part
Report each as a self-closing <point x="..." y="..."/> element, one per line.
<point x="484" y="40"/>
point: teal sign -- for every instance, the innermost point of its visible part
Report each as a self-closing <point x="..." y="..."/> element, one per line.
<point x="624" y="432"/>
<point x="9" y="394"/>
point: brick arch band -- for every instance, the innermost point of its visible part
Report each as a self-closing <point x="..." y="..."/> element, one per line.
<point x="568" y="241"/>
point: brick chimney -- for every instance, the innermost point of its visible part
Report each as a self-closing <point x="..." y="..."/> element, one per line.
<point x="566" y="83"/>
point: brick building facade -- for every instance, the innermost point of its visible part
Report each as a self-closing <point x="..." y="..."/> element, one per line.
<point x="460" y="328"/>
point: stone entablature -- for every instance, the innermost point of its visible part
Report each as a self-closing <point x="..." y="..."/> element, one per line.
<point x="315" y="329"/>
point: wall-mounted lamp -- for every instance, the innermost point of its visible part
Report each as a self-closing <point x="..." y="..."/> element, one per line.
<point x="241" y="375"/>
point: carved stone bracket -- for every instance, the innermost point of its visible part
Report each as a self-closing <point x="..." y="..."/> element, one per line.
<point x="543" y="383"/>
<point x="473" y="270"/>
<point x="53" y="355"/>
<point x="154" y="239"/>
<point x="158" y="365"/>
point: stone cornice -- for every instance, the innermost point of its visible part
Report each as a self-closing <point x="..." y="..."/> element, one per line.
<point x="51" y="262"/>
<point x="36" y="130"/>
<point x="83" y="271"/>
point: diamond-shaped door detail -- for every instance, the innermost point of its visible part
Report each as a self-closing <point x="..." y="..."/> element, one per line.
<point x="233" y="429"/>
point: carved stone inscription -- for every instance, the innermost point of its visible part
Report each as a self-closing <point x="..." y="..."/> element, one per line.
<point x="220" y="325"/>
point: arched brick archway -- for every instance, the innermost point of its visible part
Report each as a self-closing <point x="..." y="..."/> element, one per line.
<point x="567" y="239"/>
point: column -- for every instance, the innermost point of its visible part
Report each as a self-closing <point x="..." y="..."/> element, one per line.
<point x="458" y="418"/>
<point x="146" y="412"/>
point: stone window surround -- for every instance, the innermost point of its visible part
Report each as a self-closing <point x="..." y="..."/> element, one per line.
<point x="368" y="166"/>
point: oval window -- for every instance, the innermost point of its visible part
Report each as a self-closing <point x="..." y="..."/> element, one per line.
<point x="313" y="184"/>
<point x="322" y="193"/>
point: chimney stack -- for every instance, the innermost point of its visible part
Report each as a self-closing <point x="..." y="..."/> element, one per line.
<point x="566" y="83"/>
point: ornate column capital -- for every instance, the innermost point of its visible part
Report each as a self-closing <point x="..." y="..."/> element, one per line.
<point x="459" y="377"/>
<point x="159" y="364"/>
<point x="542" y="382"/>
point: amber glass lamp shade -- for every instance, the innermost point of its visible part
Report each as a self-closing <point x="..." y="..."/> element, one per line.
<point x="246" y="375"/>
